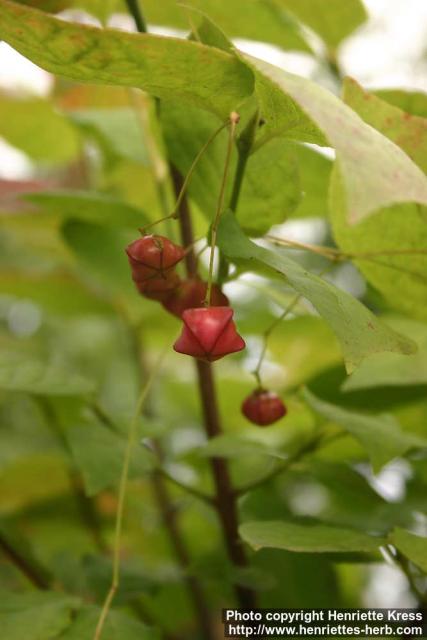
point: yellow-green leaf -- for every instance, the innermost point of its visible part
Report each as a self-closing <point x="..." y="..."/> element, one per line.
<point x="270" y="189"/>
<point x="34" y="615"/>
<point x="118" y="626"/>
<point x="412" y="546"/>
<point x="390" y="248"/>
<point x="89" y="206"/>
<point x="253" y="20"/>
<point x="36" y="128"/>
<point x="192" y="72"/>
<point x="392" y="369"/>
<point x="40" y="378"/>
<point x="333" y="20"/>
<point x="380" y="435"/>
<point x="360" y="332"/>
<point x="414" y="102"/>
<point x="376" y="172"/>
<point x="307" y="538"/>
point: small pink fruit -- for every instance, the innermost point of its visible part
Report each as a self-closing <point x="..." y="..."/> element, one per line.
<point x="153" y="255"/>
<point x="263" y="407"/>
<point x="158" y="287"/>
<point x="209" y="334"/>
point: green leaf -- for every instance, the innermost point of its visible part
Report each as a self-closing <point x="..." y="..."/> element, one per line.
<point x="51" y="6"/>
<point x="35" y="127"/>
<point x="358" y="330"/>
<point x="400" y="278"/>
<point x="376" y="172"/>
<point x="380" y="435"/>
<point x="281" y="111"/>
<point x="32" y="480"/>
<point x="56" y="294"/>
<point x="352" y="502"/>
<point x="207" y="31"/>
<point x="24" y="548"/>
<point x="314" y="174"/>
<point x="40" y="378"/>
<point x="193" y="73"/>
<point x="229" y="445"/>
<point x="99" y="452"/>
<point x="118" y="626"/>
<point x="89" y="207"/>
<point x="118" y="131"/>
<point x="35" y="615"/>
<point x="101" y="9"/>
<point x="333" y="21"/>
<point x="407" y="131"/>
<point x="412" y="546"/>
<point x="414" y="102"/>
<point x="307" y="538"/>
<point x="101" y="251"/>
<point x="255" y="20"/>
<point x="270" y="189"/>
<point x="392" y="369"/>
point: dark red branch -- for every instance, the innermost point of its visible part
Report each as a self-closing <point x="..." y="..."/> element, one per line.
<point x="225" y="495"/>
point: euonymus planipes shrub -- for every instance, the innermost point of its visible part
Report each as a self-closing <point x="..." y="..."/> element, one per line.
<point x="142" y="251"/>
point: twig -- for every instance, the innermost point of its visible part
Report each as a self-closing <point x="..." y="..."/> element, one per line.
<point x="268" y="332"/>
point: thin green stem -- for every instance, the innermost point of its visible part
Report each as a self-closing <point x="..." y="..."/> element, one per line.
<point x="192" y="168"/>
<point x="175" y="213"/>
<point x="121" y="499"/>
<point x="275" y="324"/>
<point x="234" y="119"/>
<point x="257" y="371"/>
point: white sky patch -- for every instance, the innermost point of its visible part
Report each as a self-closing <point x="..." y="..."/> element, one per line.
<point x="14" y="165"/>
<point x="20" y="75"/>
<point x="387" y="588"/>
